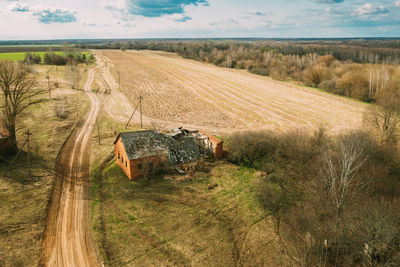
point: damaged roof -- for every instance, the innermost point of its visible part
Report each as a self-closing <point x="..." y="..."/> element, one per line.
<point x="141" y="144"/>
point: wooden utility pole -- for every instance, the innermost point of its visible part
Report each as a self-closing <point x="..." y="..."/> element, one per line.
<point x="140" y="103"/>
<point x="16" y="156"/>
<point x="48" y="83"/>
<point x="98" y="130"/>
<point x="119" y="81"/>
<point x="29" y="153"/>
<point x="48" y="80"/>
<point x="141" y="121"/>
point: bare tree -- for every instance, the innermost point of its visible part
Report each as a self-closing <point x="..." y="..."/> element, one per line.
<point x="73" y="74"/>
<point x="341" y="180"/>
<point x="377" y="231"/>
<point x="385" y="118"/>
<point x="340" y="173"/>
<point x="17" y="85"/>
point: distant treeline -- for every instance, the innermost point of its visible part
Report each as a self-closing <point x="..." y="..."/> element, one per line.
<point x="69" y="55"/>
<point x="15" y="49"/>
<point x="357" y="50"/>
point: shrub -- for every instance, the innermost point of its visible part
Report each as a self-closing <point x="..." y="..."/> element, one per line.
<point x="259" y="71"/>
<point x="54" y="59"/>
<point x="316" y="74"/>
<point x="326" y="60"/>
<point x="328" y="85"/>
<point x="354" y="82"/>
<point x="32" y="58"/>
<point x="251" y="148"/>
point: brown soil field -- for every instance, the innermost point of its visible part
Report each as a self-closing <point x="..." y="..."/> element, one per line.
<point x="185" y="92"/>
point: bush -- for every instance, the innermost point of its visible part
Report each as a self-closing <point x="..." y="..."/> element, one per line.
<point x="355" y="82"/>
<point x="54" y="59"/>
<point x="316" y="74"/>
<point x="32" y="58"/>
<point x="259" y="71"/>
<point x="328" y="85"/>
<point x="252" y="149"/>
<point x="326" y="60"/>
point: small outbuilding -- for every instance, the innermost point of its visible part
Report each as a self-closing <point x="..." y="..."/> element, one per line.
<point x="141" y="153"/>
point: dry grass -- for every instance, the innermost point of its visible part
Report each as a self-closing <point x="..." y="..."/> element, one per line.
<point x="223" y="100"/>
<point x="165" y="223"/>
<point x="23" y="201"/>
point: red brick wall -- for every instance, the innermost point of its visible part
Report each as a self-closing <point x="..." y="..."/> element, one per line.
<point x="219" y="150"/>
<point x="123" y="160"/>
<point x="143" y="166"/>
<point x="218" y="145"/>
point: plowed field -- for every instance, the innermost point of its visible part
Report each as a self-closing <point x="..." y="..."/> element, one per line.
<point x="191" y="93"/>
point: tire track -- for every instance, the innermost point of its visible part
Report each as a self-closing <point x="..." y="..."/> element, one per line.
<point x="67" y="240"/>
<point x="250" y="100"/>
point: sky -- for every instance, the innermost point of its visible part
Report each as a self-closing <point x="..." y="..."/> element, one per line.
<point x="86" y="19"/>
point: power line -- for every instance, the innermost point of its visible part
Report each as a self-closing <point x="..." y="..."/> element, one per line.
<point x="141" y="120"/>
<point x="29" y="153"/>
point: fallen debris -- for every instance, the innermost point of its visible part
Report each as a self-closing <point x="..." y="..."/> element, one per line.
<point x="212" y="186"/>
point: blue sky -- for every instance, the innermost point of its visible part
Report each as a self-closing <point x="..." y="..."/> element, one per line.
<point x="55" y="19"/>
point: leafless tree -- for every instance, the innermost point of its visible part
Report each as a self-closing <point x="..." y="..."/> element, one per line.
<point x="377" y="230"/>
<point x="385" y="118"/>
<point x="73" y="74"/>
<point x="341" y="180"/>
<point x="18" y="87"/>
<point x="340" y="173"/>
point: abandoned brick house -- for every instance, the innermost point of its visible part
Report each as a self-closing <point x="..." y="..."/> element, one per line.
<point x="140" y="153"/>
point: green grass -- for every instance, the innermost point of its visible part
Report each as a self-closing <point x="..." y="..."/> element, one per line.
<point x="15" y="56"/>
<point x="159" y="223"/>
<point x="23" y="201"/>
<point x="21" y="55"/>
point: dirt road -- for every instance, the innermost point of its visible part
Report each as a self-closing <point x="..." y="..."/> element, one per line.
<point x="224" y="100"/>
<point x="67" y="240"/>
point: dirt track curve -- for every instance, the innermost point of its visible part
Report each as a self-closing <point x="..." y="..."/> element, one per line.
<point x="67" y="239"/>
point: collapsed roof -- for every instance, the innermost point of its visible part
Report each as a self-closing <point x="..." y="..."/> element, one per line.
<point x="179" y="148"/>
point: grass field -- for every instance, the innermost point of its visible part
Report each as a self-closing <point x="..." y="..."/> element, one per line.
<point x="225" y="100"/>
<point x="21" y="55"/>
<point x="164" y="223"/>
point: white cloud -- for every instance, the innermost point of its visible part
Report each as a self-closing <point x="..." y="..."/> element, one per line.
<point x="18" y="7"/>
<point x="369" y="9"/>
<point x="365" y="9"/>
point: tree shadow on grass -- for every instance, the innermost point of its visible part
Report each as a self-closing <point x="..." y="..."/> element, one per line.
<point x="18" y="172"/>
